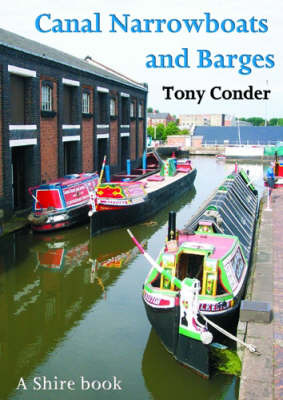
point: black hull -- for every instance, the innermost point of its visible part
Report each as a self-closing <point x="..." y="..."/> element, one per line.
<point x="233" y="211"/>
<point x="189" y="352"/>
<point x="111" y="219"/>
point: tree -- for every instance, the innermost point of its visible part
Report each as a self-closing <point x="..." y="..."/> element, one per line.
<point x="184" y="132"/>
<point x="255" y="121"/>
<point x="171" y="129"/>
<point x="160" y="132"/>
<point x="150" y="110"/>
<point x="150" y="131"/>
<point x="276" y="122"/>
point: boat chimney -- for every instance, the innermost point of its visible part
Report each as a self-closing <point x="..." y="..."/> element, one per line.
<point x="172" y="226"/>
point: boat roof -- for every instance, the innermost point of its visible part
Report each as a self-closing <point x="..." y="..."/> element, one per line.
<point x="222" y="244"/>
<point x="71" y="179"/>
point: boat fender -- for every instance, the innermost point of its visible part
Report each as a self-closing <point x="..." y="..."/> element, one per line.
<point x="37" y="219"/>
<point x="206" y="337"/>
<point x="90" y="213"/>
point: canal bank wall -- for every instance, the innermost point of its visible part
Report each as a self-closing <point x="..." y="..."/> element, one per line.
<point x="15" y="223"/>
<point x="262" y="374"/>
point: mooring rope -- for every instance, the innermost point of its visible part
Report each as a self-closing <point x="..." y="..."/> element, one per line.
<point x="250" y="347"/>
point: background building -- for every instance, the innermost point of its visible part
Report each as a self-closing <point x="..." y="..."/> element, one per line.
<point x="156" y="118"/>
<point x="187" y="120"/>
<point x="61" y="115"/>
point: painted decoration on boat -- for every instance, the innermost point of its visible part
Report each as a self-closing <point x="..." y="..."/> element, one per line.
<point x="200" y="275"/>
<point x="63" y="202"/>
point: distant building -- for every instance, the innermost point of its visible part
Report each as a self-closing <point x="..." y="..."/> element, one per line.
<point x="156" y="118"/>
<point x="188" y="120"/>
<point x="60" y="115"/>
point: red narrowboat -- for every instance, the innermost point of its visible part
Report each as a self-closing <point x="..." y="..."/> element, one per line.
<point x="62" y="203"/>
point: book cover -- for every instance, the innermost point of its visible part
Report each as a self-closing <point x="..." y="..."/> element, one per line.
<point x="73" y="323"/>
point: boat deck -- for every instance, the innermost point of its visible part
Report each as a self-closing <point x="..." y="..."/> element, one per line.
<point x="222" y="245"/>
<point x="151" y="186"/>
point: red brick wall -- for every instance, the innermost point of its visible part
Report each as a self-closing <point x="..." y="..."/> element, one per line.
<point x="87" y="138"/>
<point x="1" y="158"/>
<point x="141" y="145"/>
<point x="133" y="140"/>
<point x="49" y="140"/>
<point x="114" y="142"/>
<point x="196" y="141"/>
<point x="176" y="140"/>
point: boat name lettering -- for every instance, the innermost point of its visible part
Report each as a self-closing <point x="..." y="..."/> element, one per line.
<point x="74" y="189"/>
<point x="151" y="299"/>
<point x="220" y="306"/>
<point x="77" y="201"/>
<point x="112" y="201"/>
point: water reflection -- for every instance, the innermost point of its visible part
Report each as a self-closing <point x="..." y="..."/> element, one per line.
<point x="48" y="282"/>
<point x="164" y="377"/>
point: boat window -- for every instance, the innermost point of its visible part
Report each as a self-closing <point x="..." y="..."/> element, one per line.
<point x="190" y="266"/>
<point x="156" y="281"/>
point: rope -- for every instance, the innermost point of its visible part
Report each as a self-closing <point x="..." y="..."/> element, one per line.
<point x="250" y="347"/>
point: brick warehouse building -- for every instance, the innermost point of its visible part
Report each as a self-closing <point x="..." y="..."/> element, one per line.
<point x="61" y="115"/>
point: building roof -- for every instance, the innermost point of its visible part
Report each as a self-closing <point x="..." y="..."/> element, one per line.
<point x="158" y="115"/>
<point x="14" y="41"/>
<point x="248" y="134"/>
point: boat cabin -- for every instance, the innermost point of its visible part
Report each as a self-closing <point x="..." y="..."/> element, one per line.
<point x="215" y="260"/>
<point x="66" y="192"/>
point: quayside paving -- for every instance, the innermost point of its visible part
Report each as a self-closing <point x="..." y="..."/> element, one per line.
<point x="262" y="375"/>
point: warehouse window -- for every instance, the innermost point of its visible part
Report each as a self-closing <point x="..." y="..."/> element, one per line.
<point x="140" y="110"/>
<point x="132" y="110"/>
<point x="125" y="110"/>
<point x="102" y="108"/>
<point x="46" y="97"/>
<point x="112" y="107"/>
<point x="85" y="103"/>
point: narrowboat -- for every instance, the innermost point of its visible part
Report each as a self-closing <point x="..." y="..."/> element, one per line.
<point x="61" y="203"/>
<point x="66" y="201"/>
<point x="201" y="273"/>
<point x="127" y="202"/>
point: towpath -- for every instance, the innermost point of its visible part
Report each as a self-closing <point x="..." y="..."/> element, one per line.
<point x="262" y="376"/>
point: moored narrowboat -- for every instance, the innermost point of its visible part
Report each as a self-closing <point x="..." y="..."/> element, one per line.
<point x="128" y="202"/>
<point x="201" y="273"/>
<point x="61" y="203"/>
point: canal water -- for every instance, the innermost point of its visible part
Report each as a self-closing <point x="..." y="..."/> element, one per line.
<point x="71" y="310"/>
